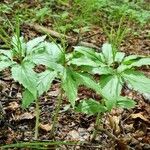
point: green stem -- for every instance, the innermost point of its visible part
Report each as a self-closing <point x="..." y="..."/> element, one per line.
<point x="56" y="113"/>
<point x="37" y="111"/>
<point x="97" y="122"/>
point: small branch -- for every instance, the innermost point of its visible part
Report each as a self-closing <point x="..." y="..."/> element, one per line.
<point x="55" y="34"/>
<point x="55" y="119"/>
<point x="97" y="125"/>
<point x="109" y="134"/>
<point x="37" y="111"/>
<point x="121" y="143"/>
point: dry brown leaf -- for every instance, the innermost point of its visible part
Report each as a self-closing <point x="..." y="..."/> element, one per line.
<point x="114" y="123"/>
<point x="12" y="106"/>
<point x="74" y="135"/>
<point x="45" y="127"/>
<point x="139" y="115"/>
<point x="54" y="93"/>
<point x="26" y="115"/>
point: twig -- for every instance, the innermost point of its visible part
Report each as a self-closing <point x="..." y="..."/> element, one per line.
<point x="121" y="144"/>
<point x="53" y="33"/>
<point x="109" y="134"/>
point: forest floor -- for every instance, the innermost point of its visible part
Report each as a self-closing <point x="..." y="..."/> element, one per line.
<point x="131" y="126"/>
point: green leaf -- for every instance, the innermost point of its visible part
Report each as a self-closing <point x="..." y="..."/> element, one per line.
<point x="129" y="59"/>
<point x="102" y="70"/>
<point x="44" y="81"/>
<point x="32" y="44"/>
<point x="86" y="80"/>
<point x="119" y="57"/>
<point x="27" y="99"/>
<point x="55" y="50"/>
<point x="133" y="63"/>
<point x="90" y="107"/>
<point x="137" y="80"/>
<point x="110" y="102"/>
<point x="70" y="87"/>
<point x="41" y="58"/>
<point x="5" y="64"/>
<point x="19" y="46"/>
<point x="6" y="53"/>
<point x="47" y="60"/>
<point x="125" y="102"/>
<point x="141" y="62"/>
<point x="84" y="61"/>
<point x="111" y="84"/>
<point x="24" y="74"/>
<point x="107" y="53"/>
<point x="88" y="52"/>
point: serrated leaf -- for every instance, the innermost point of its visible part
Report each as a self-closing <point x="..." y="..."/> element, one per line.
<point x="137" y="62"/>
<point x="5" y="64"/>
<point x="107" y="53"/>
<point x="129" y="59"/>
<point x="34" y="43"/>
<point x="102" y="70"/>
<point x="6" y="53"/>
<point x="55" y="50"/>
<point x="24" y="74"/>
<point x="44" y="81"/>
<point x="47" y="60"/>
<point x="84" y="61"/>
<point x="141" y="62"/>
<point x="119" y="57"/>
<point x="88" y="52"/>
<point x="41" y="58"/>
<point x="27" y="98"/>
<point x="90" y="107"/>
<point x="110" y="102"/>
<point x="111" y="84"/>
<point x="137" y="80"/>
<point x="125" y="102"/>
<point x="70" y="87"/>
<point x="86" y="80"/>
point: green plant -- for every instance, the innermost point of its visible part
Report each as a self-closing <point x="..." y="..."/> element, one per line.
<point x="18" y="58"/>
<point x="69" y="76"/>
<point x="114" y="70"/>
<point x="116" y="34"/>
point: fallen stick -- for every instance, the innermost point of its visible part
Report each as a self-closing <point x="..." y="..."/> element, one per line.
<point x="55" y="34"/>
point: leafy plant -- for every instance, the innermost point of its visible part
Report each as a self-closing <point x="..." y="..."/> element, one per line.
<point x="115" y="69"/>
<point x="58" y="62"/>
<point x="18" y="58"/>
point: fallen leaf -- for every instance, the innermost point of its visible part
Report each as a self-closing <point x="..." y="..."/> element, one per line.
<point x="27" y="116"/>
<point x="45" y="127"/>
<point x="74" y="135"/>
<point x="139" y="115"/>
<point x="54" y="93"/>
<point x="12" y="106"/>
<point x="114" y="123"/>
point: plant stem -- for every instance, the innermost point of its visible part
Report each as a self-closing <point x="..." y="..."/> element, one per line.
<point x="97" y="122"/>
<point x="55" y="119"/>
<point x="37" y="111"/>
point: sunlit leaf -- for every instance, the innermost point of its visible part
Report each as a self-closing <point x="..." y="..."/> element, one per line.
<point x="44" y="81"/>
<point x="70" y="87"/>
<point x="24" y="74"/>
<point x="137" y="80"/>
<point x="27" y="98"/>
